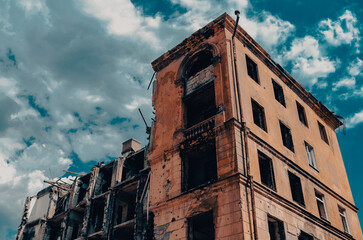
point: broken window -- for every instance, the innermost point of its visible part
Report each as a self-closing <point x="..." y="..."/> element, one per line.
<point x="311" y="155"/>
<point x="301" y="113"/>
<point x="286" y="136"/>
<point x="201" y="227"/>
<point x="321" y="205"/>
<point x="344" y="219"/>
<point x="305" y="236"/>
<point x="97" y="215"/>
<point x="323" y="135"/>
<point x="104" y="179"/>
<point x="258" y="115"/>
<point x="252" y="69"/>
<point x="132" y="165"/>
<point x="199" y="62"/>
<point x="61" y="205"/>
<point x="55" y="230"/>
<point x="200" y="165"/>
<point x="296" y="189"/>
<point x="279" y="93"/>
<point x="266" y="171"/>
<point x="83" y="186"/>
<point x="275" y="228"/>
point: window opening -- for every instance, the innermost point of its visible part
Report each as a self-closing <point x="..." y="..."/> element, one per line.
<point x="301" y="113"/>
<point x="83" y="186"/>
<point x="266" y="171"/>
<point x="286" y="136"/>
<point x="258" y="115"/>
<point x="344" y="219"/>
<point x="77" y="224"/>
<point x="321" y="205"/>
<point x="323" y="135"/>
<point x="305" y="236"/>
<point x="201" y="227"/>
<point x="296" y="189"/>
<point x="279" y="93"/>
<point x="132" y="165"/>
<point x="311" y="155"/>
<point x="276" y="228"/>
<point x="252" y="69"/>
<point x="61" y="205"/>
<point x="200" y="165"/>
<point x="98" y="209"/>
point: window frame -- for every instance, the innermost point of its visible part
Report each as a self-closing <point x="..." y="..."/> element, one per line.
<point x="261" y="115"/>
<point x="343" y="213"/>
<point x="285" y="138"/>
<point x="278" y="88"/>
<point x="279" y="223"/>
<point x="320" y="198"/>
<point x="248" y="59"/>
<point x="263" y="157"/>
<point x="302" y="114"/>
<point x="191" y="221"/>
<point x="310" y="153"/>
<point x="293" y="189"/>
<point x="323" y="133"/>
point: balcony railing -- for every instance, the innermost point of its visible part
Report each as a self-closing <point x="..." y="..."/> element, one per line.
<point x="199" y="128"/>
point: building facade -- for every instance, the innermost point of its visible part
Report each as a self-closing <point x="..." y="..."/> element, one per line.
<point x="238" y="150"/>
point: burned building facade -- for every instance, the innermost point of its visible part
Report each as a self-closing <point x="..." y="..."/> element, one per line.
<point x="238" y="150"/>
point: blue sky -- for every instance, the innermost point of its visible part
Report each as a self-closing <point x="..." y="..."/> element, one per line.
<point x="73" y="73"/>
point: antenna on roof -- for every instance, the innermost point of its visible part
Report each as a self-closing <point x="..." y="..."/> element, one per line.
<point x="148" y="129"/>
<point x="235" y="26"/>
<point x="151" y="80"/>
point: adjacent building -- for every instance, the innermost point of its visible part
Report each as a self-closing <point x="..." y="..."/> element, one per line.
<point x="238" y="150"/>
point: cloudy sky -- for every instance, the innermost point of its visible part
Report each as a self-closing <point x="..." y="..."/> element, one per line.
<point x="74" y="72"/>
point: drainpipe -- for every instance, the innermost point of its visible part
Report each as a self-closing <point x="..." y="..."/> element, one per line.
<point x="246" y="162"/>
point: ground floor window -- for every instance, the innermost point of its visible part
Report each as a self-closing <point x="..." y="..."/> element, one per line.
<point x="201" y="227"/>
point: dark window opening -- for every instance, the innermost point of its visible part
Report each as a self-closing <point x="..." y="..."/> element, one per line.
<point x="344" y="219"/>
<point x="323" y="135"/>
<point x="55" y="230"/>
<point x="252" y="69"/>
<point x="124" y="233"/>
<point x="201" y="227"/>
<point x="200" y="165"/>
<point x="29" y="234"/>
<point x="276" y="229"/>
<point x="321" y="205"/>
<point x="104" y="179"/>
<point x="133" y="165"/>
<point x="77" y="223"/>
<point x="279" y="93"/>
<point x="296" y="189"/>
<point x="286" y="137"/>
<point x="83" y="186"/>
<point x="258" y="115"/>
<point x="305" y="236"/>
<point x="199" y="62"/>
<point x="97" y="211"/>
<point x="200" y="106"/>
<point x="61" y="205"/>
<point x="125" y="205"/>
<point x="301" y="113"/>
<point x="266" y="171"/>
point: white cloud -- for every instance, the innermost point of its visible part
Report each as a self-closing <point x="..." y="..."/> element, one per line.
<point x="309" y="63"/>
<point x="345" y="82"/>
<point x="356" y="67"/>
<point x="355" y="119"/>
<point x="342" y="31"/>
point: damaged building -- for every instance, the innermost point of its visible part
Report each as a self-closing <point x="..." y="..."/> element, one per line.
<point x="238" y="150"/>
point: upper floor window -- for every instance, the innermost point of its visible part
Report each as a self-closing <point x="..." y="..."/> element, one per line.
<point x="252" y="70"/>
<point x="311" y="155"/>
<point x="286" y="136"/>
<point x="258" y="115"/>
<point x="320" y="200"/>
<point x="301" y="113"/>
<point x="276" y="228"/>
<point x="296" y="189"/>
<point x="279" y="93"/>
<point x="323" y="135"/>
<point x="266" y="171"/>
<point x="344" y="219"/>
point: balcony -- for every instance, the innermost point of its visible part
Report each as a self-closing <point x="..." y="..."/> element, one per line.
<point x="199" y="128"/>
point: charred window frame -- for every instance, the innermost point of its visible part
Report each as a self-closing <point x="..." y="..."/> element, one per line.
<point x="279" y="93"/>
<point x="302" y="114"/>
<point x="323" y="134"/>
<point x="199" y="94"/>
<point x="311" y="156"/>
<point x="201" y="227"/>
<point x="286" y="137"/>
<point x="132" y="165"/>
<point x="276" y="228"/>
<point x="296" y="189"/>
<point x="320" y="201"/>
<point x="305" y="236"/>
<point x="252" y="69"/>
<point x="61" y="205"/>
<point x="258" y="113"/>
<point x="266" y="171"/>
<point x="97" y="215"/>
<point x="199" y="165"/>
<point x="344" y="219"/>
